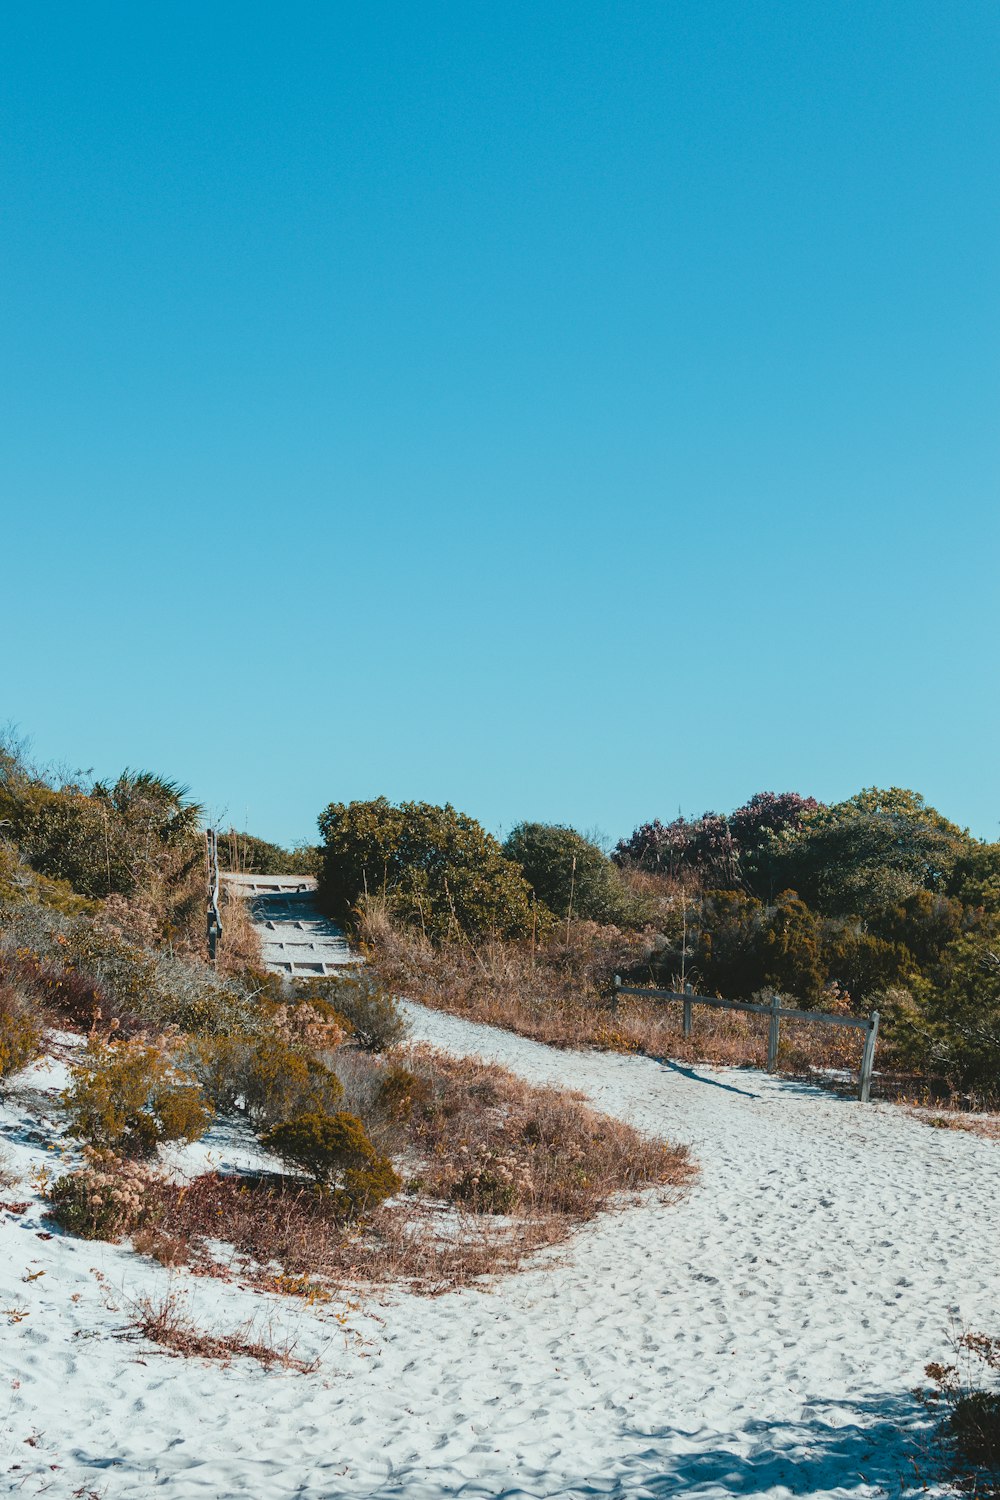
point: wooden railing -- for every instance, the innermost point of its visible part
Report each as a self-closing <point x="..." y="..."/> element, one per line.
<point x="776" y="1012"/>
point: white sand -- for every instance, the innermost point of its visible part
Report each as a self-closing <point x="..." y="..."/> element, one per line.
<point x="758" y="1338"/>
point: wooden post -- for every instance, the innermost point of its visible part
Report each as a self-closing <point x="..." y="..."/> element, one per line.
<point x="214" y="921"/>
<point x="772" y="1034"/>
<point x="614" y="997"/>
<point x="688" y="990"/>
<point x="868" y="1059"/>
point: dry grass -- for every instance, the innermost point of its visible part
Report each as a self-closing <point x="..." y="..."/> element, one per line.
<point x="239" y="949"/>
<point x="286" y="1238"/>
<point x="163" y="1321"/>
<point x="561" y="994"/>
<point x="536" y="1151"/>
<point x="496" y="1170"/>
<point x="945" y="1117"/>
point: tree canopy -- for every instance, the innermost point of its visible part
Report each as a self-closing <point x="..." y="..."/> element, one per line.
<point x="568" y="873"/>
<point x="437" y="867"/>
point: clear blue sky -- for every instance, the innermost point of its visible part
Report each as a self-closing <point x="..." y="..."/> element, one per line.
<point x="573" y="411"/>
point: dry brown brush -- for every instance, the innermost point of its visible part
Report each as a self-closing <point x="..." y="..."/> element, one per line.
<point x="965" y="1398"/>
<point x="561" y="993"/>
<point x="163" y="1321"/>
<point x="495" y="1169"/>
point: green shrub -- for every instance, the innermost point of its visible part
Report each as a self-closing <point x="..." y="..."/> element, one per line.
<point x="262" y="1076"/>
<point x="373" y="1016"/>
<point x="252" y="856"/>
<point x="221" y="1066"/>
<point x="966" y="1399"/>
<point x="335" y="1151"/>
<point x="570" y="875"/>
<point x="20" y="883"/>
<point x="437" y="867"/>
<point x="110" y="840"/>
<point x="959" y="1002"/>
<point x="105" y="1200"/>
<point x="130" y="1096"/>
<point x="869" y="854"/>
<point x="282" y="1082"/>
<point x="974" y="1430"/>
<point x="738" y="945"/>
<point x="20" y="1031"/>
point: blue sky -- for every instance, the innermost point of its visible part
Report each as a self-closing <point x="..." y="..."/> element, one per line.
<point x="571" y="411"/>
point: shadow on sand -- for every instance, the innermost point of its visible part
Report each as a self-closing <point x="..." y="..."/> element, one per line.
<point x="878" y="1445"/>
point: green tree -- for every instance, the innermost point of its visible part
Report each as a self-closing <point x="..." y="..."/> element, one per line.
<point x="975" y="880"/>
<point x="569" y="874"/>
<point x="115" y="839"/>
<point x="740" y="945"/>
<point x="868" y="854"/>
<point x="248" y="855"/>
<point x="438" y="868"/>
<point x="960" y="1006"/>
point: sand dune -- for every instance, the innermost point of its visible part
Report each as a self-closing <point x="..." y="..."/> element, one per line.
<point x="760" y="1337"/>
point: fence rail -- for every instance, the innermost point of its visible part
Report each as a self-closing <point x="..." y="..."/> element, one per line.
<point x="776" y="1013"/>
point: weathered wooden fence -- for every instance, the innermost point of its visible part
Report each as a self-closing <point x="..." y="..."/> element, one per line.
<point x="776" y="1012"/>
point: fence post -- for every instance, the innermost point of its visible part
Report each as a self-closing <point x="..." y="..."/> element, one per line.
<point x="213" y="920"/>
<point x="772" y="1034"/>
<point x="868" y="1058"/>
<point x="614" y="997"/>
<point x="688" y="990"/>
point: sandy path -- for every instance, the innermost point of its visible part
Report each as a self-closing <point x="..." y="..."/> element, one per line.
<point x="758" y="1338"/>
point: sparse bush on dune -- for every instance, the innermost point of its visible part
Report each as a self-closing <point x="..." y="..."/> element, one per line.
<point x="375" y="1020"/>
<point x="127" y="1097"/>
<point x="473" y="1136"/>
<point x="260" y="1075"/>
<point x="965" y="1397"/>
<point x="164" y="1321"/>
<point x="20" y="1030"/>
<point x="86" y="974"/>
<point x="335" y="1151"/>
<point x="106" y="1199"/>
<point x="500" y="1145"/>
<point x="282" y="1082"/>
<point x="401" y="1091"/>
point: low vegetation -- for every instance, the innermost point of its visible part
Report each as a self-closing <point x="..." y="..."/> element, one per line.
<point x="878" y="903"/>
<point x="129" y="1096"/>
<point x="965" y="1396"/>
<point x="388" y="1162"/>
<point x="381" y="1162"/>
<point x="561" y="992"/>
<point x="489" y="1170"/>
<point x="164" y="1321"/>
<point x="20" y="1029"/>
<point x="104" y="1200"/>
